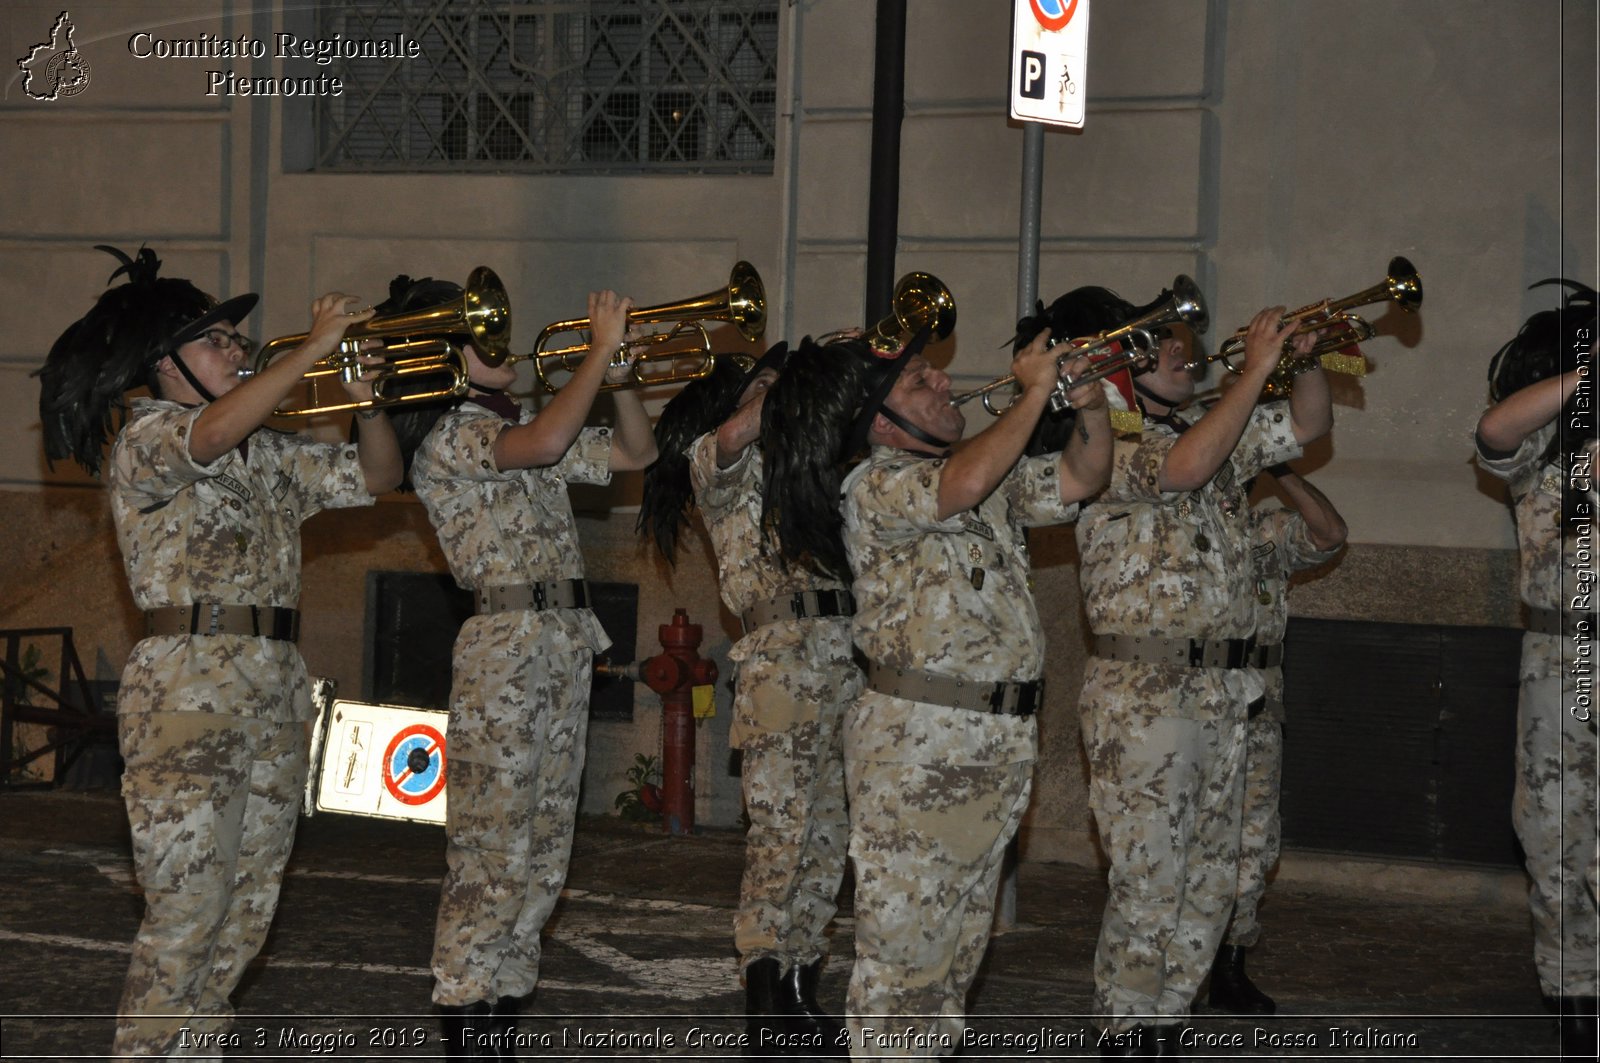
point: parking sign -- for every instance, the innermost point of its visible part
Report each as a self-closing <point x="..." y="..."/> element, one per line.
<point x="1050" y="61"/>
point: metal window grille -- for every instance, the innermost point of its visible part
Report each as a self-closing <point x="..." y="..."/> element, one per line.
<point x="543" y="86"/>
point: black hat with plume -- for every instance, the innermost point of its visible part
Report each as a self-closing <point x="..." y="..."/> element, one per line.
<point x="1085" y="311"/>
<point x="809" y="439"/>
<point x="883" y="372"/>
<point x="700" y="407"/>
<point x="1549" y="343"/>
<point x="115" y="347"/>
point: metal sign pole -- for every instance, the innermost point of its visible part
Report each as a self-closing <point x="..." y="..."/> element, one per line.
<point x="1005" y="909"/>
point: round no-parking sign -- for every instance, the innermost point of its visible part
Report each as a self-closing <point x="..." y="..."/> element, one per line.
<point x="413" y="765"/>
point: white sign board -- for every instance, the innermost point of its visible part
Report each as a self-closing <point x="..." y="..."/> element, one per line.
<point x="1050" y="61"/>
<point x="386" y="761"/>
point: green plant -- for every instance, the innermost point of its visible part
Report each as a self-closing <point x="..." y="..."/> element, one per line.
<point x="642" y="802"/>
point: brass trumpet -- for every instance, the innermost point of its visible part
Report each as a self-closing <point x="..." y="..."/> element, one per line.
<point x="1124" y="347"/>
<point x="743" y="303"/>
<point x="419" y="346"/>
<point x="1402" y="286"/>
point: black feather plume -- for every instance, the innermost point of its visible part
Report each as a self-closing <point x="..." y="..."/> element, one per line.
<point x="107" y="352"/>
<point x="668" y="496"/>
<point x="805" y="428"/>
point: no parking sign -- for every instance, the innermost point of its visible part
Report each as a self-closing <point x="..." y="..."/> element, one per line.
<point x="388" y="761"/>
<point x="413" y="765"/>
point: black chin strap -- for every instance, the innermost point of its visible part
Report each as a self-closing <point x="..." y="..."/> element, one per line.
<point x="1170" y="418"/>
<point x="917" y="433"/>
<point x="194" y="381"/>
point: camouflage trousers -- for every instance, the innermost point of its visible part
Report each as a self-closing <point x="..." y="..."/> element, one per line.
<point x="1261" y="829"/>
<point x="1166" y="796"/>
<point x="1553" y="808"/>
<point x="516" y="742"/>
<point x="212" y="804"/>
<point x="928" y="841"/>
<point x="793" y="778"/>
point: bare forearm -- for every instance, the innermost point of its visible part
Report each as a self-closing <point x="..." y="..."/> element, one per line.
<point x="547" y="438"/>
<point x="225" y="422"/>
<point x="1514" y="418"/>
<point x="1199" y="452"/>
<point x="737" y="433"/>
<point x="1311" y="406"/>
<point x="635" y="444"/>
<point x="974" y="470"/>
<point x="1086" y="459"/>
<point x="1323" y="522"/>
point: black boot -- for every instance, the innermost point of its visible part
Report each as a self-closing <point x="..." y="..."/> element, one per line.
<point x="1231" y="988"/>
<point x="1578" y="1029"/>
<point x="823" y="1032"/>
<point x="1139" y="1041"/>
<point x="466" y="1028"/>
<point x="763" y="1023"/>
<point x="503" y="1015"/>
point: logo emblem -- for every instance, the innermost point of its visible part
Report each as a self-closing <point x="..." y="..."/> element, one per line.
<point x="413" y="765"/>
<point x="1053" y="14"/>
<point x="55" y="68"/>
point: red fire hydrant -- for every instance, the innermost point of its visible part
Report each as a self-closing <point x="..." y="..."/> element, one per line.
<point x="674" y="673"/>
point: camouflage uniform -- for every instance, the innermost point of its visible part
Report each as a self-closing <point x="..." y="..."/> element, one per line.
<point x="519" y="700"/>
<point x="1166" y="743"/>
<point x="212" y="727"/>
<point x="1280" y="545"/>
<point x="793" y="681"/>
<point x="1553" y="807"/>
<point x="936" y="793"/>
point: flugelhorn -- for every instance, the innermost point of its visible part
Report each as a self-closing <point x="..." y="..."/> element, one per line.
<point x="1128" y="345"/>
<point x="422" y="348"/>
<point x="920" y="301"/>
<point x="743" y="303"/>
<point x="1402" y="286"/>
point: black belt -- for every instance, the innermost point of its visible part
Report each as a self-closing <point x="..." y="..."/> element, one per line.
<point x="798" y="606"/>
<point x="205" y="618"/>
<point x="543" y="594"/>
<point x="1001" y="699"/>
<point x="1182" y="653"/>
<point x="1267" y="656"/>
<point x="1561" y="622"/>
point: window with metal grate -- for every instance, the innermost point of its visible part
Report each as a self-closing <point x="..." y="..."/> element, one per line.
<point x="541" y="86"/>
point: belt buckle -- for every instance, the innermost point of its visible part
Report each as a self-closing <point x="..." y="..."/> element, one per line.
<point x="537" y="589"/>
<point x="1197" y="653"/>
<point x="797" y="605"/>
<point x="997" y="698"/>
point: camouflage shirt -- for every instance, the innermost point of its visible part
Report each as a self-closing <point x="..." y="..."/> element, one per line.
<point x="730" y="503"/>
<point x="947" y="596"/>
<point x="1176" y="564"/>
<point x="1536" y="505"/>
<point x="950" y="597"/>
<point x="501" y="529"/>
<point x="225" y="533"/>
<point x="1280" y="544"/>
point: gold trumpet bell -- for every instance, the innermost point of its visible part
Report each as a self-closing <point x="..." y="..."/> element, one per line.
<point x="487" y="313"/>
<point x="920" y="301"/>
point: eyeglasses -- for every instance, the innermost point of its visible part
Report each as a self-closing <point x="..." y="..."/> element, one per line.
<point x="222" y="339"/>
